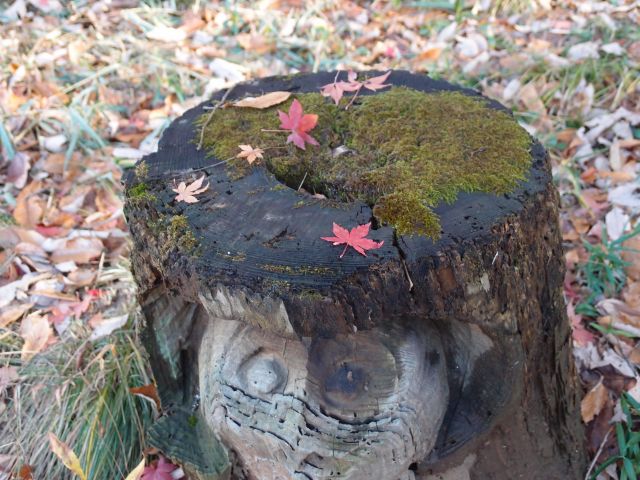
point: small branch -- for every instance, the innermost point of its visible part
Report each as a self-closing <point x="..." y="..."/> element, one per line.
<point x="354" y="97"/>
<point x="216" y="106"/>
<point x="273" y="131"/>
<point x="212" y="165"/>
<point x="595" y="459"/>
<point x="303" y="179"/>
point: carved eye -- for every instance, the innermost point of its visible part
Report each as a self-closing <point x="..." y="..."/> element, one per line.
<point x="263" y="372"/>
<point x="346" y="383"/>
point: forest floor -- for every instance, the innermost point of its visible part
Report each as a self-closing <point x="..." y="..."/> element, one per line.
<point x="86" y="88"/>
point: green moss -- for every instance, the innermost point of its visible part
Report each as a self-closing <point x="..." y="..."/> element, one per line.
<point x="300" y="270"/>
<point x="406" y="151"/>
<point x="180" y="234"/>
<point x="139" y="193"/>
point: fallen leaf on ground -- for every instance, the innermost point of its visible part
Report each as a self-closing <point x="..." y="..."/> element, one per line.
<point x="35" y="330"/>
<point x="593" y="402"/>
<point x="354" y="238"/>
<point x="104" y="326"/>
<point x="299" y="123"/>
<point x="66" y="455"/>
<point x="187" y="193"/>
<point x="79" y="250"/>
<point x="250" y="153"/>
<point x="12" y="313"/>
<point x="264" y="101"/>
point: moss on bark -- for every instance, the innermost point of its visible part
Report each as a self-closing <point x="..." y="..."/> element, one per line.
<point x="401" y="151"/>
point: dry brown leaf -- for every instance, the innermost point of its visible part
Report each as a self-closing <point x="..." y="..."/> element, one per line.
<point x="79" y="250"/>
<point x="35" y="330"/>
<point x="148" y="392"/>
<point x="68" y="457"/>
<point x="82" y="277"/>
<point x="29" y="207"/>
<point x="631" y="254"/>
<point x="593" y="402"/>
<point x="263" y="101"/>
<point x="11" y="314"/>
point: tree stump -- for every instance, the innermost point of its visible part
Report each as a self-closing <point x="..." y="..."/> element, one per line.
<point x="444" y="352"/>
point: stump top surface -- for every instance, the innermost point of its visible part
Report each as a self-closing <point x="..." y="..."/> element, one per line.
<point x="254" y="223"/>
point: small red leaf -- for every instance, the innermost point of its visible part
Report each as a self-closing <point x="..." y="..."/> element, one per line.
<point x="354" y="238"/>
<point x="299" y="123"/>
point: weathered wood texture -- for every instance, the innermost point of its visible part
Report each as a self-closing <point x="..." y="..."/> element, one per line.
<point x="479" y="343"/>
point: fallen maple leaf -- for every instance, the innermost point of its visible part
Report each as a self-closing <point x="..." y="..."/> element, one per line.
<point x="250" y="153"/>
<point x="159" y="470"/>
<point x="299" y="123"/>
<point x="187" y="193"/>
<point x="376" y="83"/>
<point x="337" y="89"/>
<point x="354" y="238"/>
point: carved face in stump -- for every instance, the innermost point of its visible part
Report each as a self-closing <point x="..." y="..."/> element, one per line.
<point x="359" y="406"/>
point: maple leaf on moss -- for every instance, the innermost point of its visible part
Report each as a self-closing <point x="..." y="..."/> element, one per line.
<point x="250" y="153"/>
<point x="337" y="89"/>
<point x="354" y="238"/>
<point x="299" y="123"/>
<point x="186" y="193"/>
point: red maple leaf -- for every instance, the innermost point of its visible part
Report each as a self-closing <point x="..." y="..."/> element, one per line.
<point x="354" y="238"/>
<point x="160" y="470"/>
<point x="336" y="89"/>
<point x="299" y="123"/>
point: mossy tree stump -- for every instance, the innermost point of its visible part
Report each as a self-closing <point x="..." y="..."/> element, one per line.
<point x="445" y="348"/>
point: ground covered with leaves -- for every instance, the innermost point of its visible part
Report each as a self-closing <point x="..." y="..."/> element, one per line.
<point x="86" y="88"/>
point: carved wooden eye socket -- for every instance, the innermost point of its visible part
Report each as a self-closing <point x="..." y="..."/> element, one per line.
<point x="346" y="383"/>
<point x="264" y="372"/>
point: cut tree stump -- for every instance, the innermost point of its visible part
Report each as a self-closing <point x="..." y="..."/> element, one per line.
<point x="446" y="351"/>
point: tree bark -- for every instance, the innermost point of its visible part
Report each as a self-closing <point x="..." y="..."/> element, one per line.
<point x="464" y="336"/>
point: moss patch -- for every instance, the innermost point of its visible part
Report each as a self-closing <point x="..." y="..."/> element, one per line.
<point x="139" y="193"/>
<point x="401" y="151"/>
<point x="181" y="235"/>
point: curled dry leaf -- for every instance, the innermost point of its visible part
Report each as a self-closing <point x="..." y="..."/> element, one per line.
<point x="264" y="101"/>
<point x="593" y="402"/>
<point x="66" y="455"/>
<point x="250" y="153"/>
<point x="148" y="392"/>
<point x="187" y="193"/>
<point x="36" y="331"/>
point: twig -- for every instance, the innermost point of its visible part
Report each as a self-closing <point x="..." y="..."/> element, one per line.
<point x="354" y="97"/>
<point x="302" y="182"/>
<point x="595" y="459"/>
<point x="211" y="112"/>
